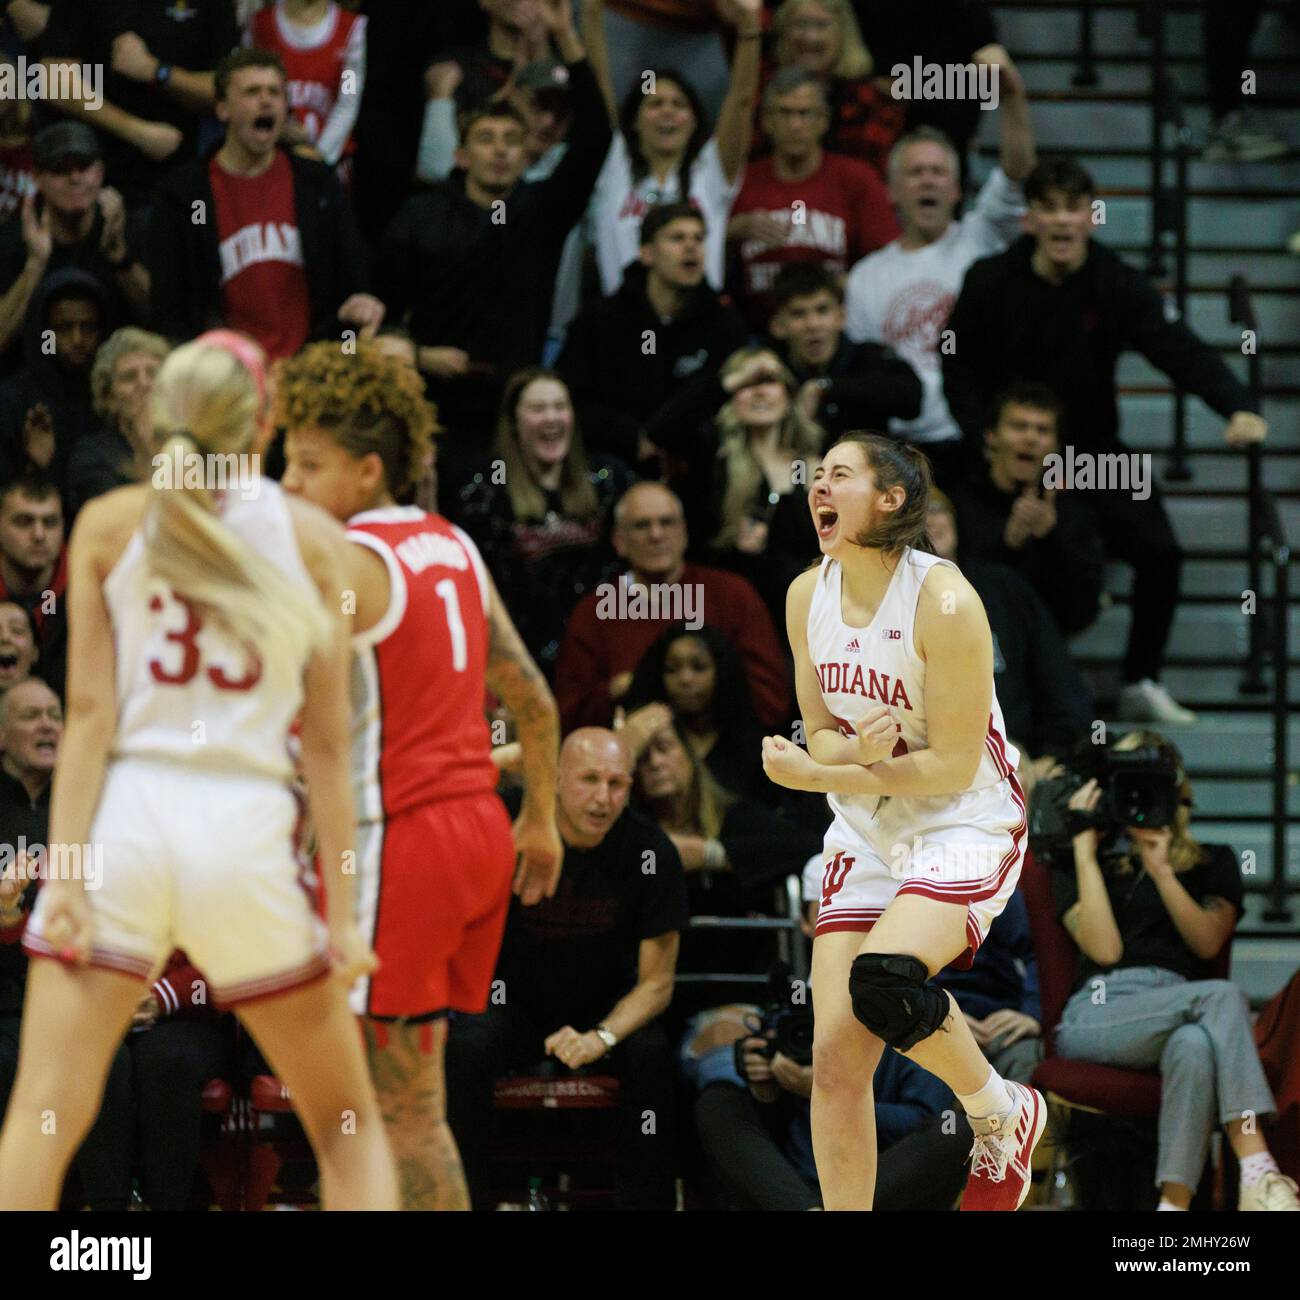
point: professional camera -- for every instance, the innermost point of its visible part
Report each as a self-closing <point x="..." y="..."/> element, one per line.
<point x="1139" y="787"/>
<point x="783" y="1024"/>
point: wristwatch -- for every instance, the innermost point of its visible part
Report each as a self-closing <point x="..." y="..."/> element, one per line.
<point x="606" y="1036"/>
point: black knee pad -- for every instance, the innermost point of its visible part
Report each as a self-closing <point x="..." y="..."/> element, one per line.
<point x="893" y="997"/>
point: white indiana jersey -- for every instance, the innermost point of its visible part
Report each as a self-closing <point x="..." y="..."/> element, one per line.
<point x="187" y="690"/>
<point x="862" y="667"/>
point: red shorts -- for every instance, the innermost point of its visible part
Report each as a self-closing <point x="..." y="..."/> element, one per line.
<point x="433" y="890"/>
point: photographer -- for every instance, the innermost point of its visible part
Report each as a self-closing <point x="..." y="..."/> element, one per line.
<point x="1150" y="908"/>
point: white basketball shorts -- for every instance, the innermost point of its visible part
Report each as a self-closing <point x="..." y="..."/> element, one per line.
<point x="966" y="850"/>
<point x="202" y="861"/>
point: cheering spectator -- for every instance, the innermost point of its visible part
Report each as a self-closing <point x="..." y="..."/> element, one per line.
<point x="120" y="383"/>
<point x="746" y="480"/>
<point x="323" y="49"/>
<point x="17" y="166"/>
<point x="662" y="153"/>
<point x="902" y="294"/>
<point x="612" y="628"/>
<point x="34" y="566"/>
<point x="541" y="512"/>
<point x="802" y="204"/>
<point x="842" y="385"/>
<point x="73" y="220"/>
<point x="1005" y="514"/>
<point x="701" y="679"/>
<point x="279" y="257"/>
<point x="515" y="36"/>
<point x="157" y="58"/>
<point x="822" y="37"/>
<point x="586" y="975"/>
<point x="937" y="32"/>
<point x="618" y="382"/>
<point x="1046" y="703"/>
<point x="1058" y="308"/>
<point x="45" y="410"/>
<point x="18" y="649"/>
<point x="474" y="259"/>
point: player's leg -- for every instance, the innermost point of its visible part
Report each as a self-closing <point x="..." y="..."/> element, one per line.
<point x="310" y="1039"/>
<point x="407" y="1063"/>
<point x="845" y="1056"/>
<point x="73" y="1022"/>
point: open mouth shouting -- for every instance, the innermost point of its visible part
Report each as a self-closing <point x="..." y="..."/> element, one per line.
<point x="826" y="518"/>
<point x="8" y="667"/>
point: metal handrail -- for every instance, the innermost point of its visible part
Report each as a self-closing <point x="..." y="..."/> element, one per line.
<point x="1267" y="535"/>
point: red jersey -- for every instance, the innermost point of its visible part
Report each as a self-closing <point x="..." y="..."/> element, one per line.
<point x="263" y="284"/>
<point x="419" y="676"/>
<point x="314" y="63"/>
<point x="836" y="216"/>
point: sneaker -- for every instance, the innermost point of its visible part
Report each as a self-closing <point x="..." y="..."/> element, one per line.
<point x="1004" y="1147"/>
<point x="1275" y="1191"/>
<point x="1235" y="138"/>
<point x="1148" y="701"/>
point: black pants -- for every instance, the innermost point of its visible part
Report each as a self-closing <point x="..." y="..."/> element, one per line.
<point x="925" y="1171"/>
<point x="152" y="1109"/>
<point x="1229" y="25"/>
<point x="1139" y="534"/>
<point x="480" y="1049"/>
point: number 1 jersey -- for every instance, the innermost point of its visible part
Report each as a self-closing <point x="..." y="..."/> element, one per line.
<point x="419" y="676"/>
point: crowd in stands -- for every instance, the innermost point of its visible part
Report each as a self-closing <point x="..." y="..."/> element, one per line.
<point x="650" y="257"/>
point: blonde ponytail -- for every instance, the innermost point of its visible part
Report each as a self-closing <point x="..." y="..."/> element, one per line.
<point x="205" y="400"/>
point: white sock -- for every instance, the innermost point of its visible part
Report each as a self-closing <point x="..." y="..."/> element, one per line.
<point x="994" y="1098"/>
<point x="1168" y="1205"/>
<point x="1253" y="1168"/>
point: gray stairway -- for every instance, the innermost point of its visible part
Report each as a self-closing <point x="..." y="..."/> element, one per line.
<point x="1240" y="217"/>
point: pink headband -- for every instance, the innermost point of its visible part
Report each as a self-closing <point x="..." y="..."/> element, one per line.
<point x="245" y="351"/>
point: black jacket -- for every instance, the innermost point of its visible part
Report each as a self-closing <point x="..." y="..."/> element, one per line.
<point x="869" y="384"/>
<point x="1046" y="703"/>
<point x="1010" y="324"/>
<point x="623" y="363"/>
<point x="1066" y="568"/>
<point x="185" y="262"/>
<point x="44" y="379"/>
<point x="482" y="280"/>
<point x="26" y="819"/>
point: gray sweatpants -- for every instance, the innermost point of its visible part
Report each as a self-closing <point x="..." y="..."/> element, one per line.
<point x="1195" y="1033"/>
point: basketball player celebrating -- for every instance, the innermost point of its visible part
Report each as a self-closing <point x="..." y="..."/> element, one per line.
<point x="431" y="635"/>
<point x="201" y="624"/>
<point x="894" y="672"/>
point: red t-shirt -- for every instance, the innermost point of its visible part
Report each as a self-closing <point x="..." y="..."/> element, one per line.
<point x="263" y="283"/>
<point x="836" y="216"/>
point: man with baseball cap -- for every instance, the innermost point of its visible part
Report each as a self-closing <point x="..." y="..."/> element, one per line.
<point x="73" y="220"/>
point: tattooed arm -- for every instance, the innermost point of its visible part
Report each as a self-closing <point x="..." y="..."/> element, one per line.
<point x="517" y="681"/>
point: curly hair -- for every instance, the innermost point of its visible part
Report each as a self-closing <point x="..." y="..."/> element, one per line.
<point x="365" y="401"/>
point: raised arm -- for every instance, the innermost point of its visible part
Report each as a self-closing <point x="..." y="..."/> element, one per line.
<point x="735" y="127"/>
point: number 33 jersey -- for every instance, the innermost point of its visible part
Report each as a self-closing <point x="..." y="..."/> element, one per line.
<point x="187" y="689"/>
<point x="419" y="676"/>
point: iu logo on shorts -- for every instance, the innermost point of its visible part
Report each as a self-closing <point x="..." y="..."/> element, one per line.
<point x="834" y="876"/>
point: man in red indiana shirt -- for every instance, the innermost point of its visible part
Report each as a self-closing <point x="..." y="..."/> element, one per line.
<point x="598" y="654"/>
<point x="253" y="238"/>
<point x="802" y="204"/>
